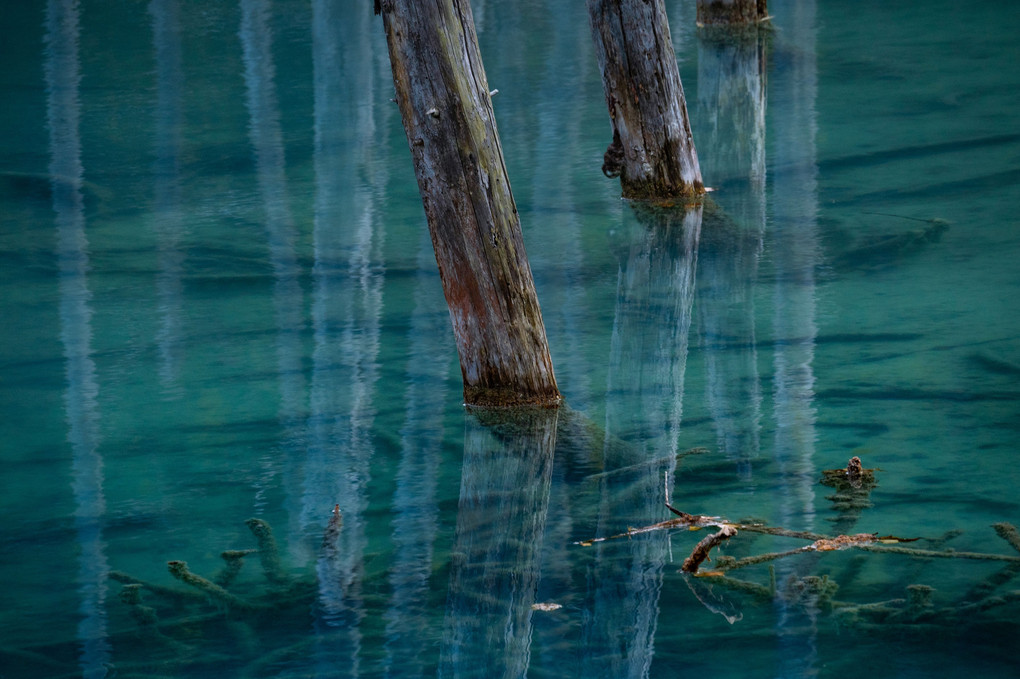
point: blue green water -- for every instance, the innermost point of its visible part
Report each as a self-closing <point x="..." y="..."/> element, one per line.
<point x="220" y="303"/>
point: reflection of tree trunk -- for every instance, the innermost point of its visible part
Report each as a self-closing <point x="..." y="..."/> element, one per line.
<point x="558" y="259"/>
<point x="63" y="114"/>
<point x="267" y="140"/>
<point x="652" y="149"/>
<point x="795" y="255"/>
<point x="645" y="404"/>
<point x="504" y="497"/>
<point x="168" y="224"/>
<point x="731" y="112"/>
<point x="794" y="241"/>
<point x="447" y="112"/>
<point x="288" y="299"/>
<point x="346" y="313"/>
<point x="416" y="514"/>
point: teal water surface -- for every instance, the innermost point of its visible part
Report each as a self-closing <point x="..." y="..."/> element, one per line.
<point x="222" y="316"/>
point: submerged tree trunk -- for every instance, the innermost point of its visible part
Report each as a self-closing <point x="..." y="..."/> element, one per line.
<point x="652" y="150"/>
<point x="447" y="112"/>
<point x="731" y="12"/>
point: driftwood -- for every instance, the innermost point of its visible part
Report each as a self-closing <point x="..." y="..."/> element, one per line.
<point x="854" y="477"/>
<point x="918" y="612"/>
<point x="701" y="550"/>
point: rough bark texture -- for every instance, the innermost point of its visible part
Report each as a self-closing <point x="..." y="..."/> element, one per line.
<point x="652" y="150"/>
<point x="730" y="12"/>
<point x="447" y="112"/>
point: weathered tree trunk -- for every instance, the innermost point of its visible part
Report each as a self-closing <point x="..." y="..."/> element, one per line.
<point x="652" y="150"/>
<point x="447" y="111"/>
<point x="731" y="12"/>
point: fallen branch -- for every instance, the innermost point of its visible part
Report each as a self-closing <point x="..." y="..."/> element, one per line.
<point x="701" y="550"/>
<point x="928" y="553"/>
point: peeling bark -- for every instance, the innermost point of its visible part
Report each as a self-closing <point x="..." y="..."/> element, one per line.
<point x="653" y="150"/>
<point x="476" y="233"/>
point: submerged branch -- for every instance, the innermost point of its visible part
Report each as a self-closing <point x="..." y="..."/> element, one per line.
<point x="269" y="553"/>
<point x="179" y="569"/>
<point x="701" y="550"/>
<point x="1008" y="532"/>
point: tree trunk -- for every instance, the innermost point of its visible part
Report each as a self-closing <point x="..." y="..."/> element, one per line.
<point x="731" y="12"/>
<point x="476" y="233"/>
<point x="652" y="150"/>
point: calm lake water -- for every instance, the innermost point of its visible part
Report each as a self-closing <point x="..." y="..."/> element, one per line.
<point x="222" y="316"/>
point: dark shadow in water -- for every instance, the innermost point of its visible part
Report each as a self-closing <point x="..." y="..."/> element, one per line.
<point x="494" y="572"/>
<point x="62" y="69"/>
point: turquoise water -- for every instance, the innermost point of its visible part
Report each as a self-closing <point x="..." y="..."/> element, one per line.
<point x="220" y="303"/>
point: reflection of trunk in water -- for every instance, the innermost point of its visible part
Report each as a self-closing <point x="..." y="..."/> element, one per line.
<point x="346" y="310"/>
<point x="731" y="110"/>
<point x="795" y="247"/>
<point x="645" y="404"/>
<point x="80" y="399"/>
<point x="504" y="498"/>
<point x="557" y="258"/>
<point x="167" y="222"/>
<point x="267" y="142"/>
<point x="416" y="514"/>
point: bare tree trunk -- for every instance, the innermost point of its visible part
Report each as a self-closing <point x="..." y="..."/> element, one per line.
<point x="652" y="150"/>
<point x="476" y="232"/>
<point x="731" y="12"/>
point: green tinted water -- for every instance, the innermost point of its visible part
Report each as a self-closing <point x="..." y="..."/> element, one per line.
<point x="220" y="303"/>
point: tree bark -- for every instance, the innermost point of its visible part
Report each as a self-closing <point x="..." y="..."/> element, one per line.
<point x="731" y="12"/>
<point x="652" y="150"/>
<point x="476" y="233"/>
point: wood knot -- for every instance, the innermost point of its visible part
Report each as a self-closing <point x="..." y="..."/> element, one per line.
<point x="612" y="162"/>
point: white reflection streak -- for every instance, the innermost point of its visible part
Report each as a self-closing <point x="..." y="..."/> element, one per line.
<point x="796" y="255"/>
<point x="657" y="281"/>
<point x="494" y="571"/>
<point x="346" y="317"/>
<point x="267" y="141"/>
<point x="558" y="263"/>
<point x="62" y="107"/>
<point x="414" y="502"/>
<point x="795" y="201"/>
<point x="167" y="214"/>
<point x="731" y="106"/>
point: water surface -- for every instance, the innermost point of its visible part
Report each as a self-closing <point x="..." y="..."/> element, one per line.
<point x="221" y="304"/>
